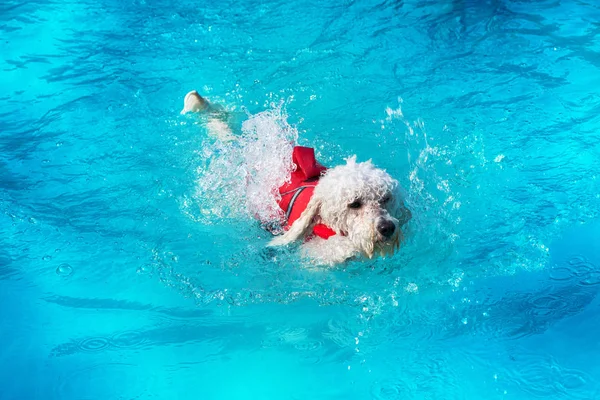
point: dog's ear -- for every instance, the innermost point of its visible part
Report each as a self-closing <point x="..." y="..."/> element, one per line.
<point x="300" y="226"/>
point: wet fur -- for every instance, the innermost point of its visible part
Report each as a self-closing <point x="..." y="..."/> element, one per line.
<point x="356" y="233"/>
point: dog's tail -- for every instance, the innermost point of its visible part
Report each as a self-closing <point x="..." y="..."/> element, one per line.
<point x="216" y="124"/>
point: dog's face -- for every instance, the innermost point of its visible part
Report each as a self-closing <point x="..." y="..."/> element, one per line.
<point x="359" y="202"/>
<point x="364" y="203"/>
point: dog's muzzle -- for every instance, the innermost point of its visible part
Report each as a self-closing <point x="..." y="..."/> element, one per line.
<point x="387" y="239"/>
<point x="386" y="228"/>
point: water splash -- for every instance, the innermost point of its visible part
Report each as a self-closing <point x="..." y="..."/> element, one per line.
<point x="241" y="179"/>
<point x="448" y="244"/>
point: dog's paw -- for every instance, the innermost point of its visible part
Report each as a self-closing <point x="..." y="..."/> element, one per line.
<point x="278" y="241"/>
<point x="193" y="102"/>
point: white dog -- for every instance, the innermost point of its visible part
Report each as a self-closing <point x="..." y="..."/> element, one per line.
<point x="340" y="213"/>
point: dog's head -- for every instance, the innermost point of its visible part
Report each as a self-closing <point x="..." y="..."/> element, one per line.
<point x="359" y="201"/>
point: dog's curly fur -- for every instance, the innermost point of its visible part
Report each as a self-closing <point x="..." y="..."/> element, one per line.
<point x="352" y="199"/>
<point x="379" y="199"/>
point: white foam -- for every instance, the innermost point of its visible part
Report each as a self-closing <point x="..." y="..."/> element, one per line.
<point x="241" y="179"/>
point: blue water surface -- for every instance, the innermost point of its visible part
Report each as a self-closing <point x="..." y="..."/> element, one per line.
<point x="118" y="280"/>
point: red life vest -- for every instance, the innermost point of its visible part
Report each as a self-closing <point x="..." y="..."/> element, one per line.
<point x="296" y="194"/>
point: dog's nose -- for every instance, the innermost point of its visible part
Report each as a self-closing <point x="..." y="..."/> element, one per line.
<point x="386" y="228"/>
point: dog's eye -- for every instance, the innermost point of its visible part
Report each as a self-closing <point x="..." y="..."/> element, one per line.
<point x="355" y="204"/>
<point x="386" y="198"/>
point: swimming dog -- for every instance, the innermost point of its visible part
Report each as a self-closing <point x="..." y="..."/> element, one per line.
<point x="338" y="213"/>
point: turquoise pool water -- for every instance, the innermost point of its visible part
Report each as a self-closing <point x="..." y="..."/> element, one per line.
<point x="129" y="271"/>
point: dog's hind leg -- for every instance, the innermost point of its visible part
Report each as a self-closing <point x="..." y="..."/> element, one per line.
<point x="193" y="102"/>
<point x="216" y="119"/>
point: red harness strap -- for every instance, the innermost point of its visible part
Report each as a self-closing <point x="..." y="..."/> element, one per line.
<point x="296" y="194"/>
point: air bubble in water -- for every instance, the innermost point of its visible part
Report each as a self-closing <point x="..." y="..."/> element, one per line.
<point x="64" y="270"/>
<point x="412" y="288"/>
<point x="144" y="269"/>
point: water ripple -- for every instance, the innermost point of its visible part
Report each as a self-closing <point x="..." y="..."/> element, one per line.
<point x="528" y="314"/>
<point x="543" y="376"/>
<point x="93" y="344"/>
<point x="114" y="304"/>
<point x="129" y="339"/>
<point x="484" y="110"/>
